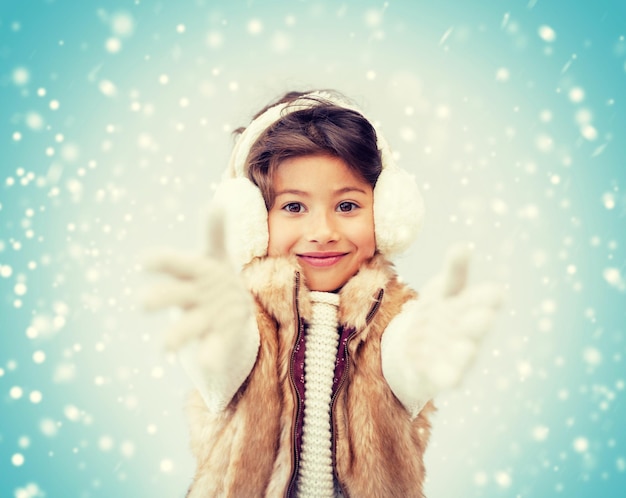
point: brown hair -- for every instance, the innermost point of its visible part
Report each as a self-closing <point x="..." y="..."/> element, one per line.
<point x="323" y="128"/>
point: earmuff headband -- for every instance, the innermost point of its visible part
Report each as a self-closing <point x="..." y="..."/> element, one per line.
<point x="398" y="204"/>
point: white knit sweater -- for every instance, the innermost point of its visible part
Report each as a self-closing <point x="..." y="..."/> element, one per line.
<point x="315" y="478"/>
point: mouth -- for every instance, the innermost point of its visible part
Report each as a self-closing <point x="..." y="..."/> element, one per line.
<point x="321" y="259"/>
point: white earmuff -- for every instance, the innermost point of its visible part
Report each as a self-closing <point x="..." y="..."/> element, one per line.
<point x="245" y="220"/>
<point x="398" y="211"/>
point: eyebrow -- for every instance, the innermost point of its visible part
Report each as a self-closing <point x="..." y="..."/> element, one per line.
<point x="292" y="192"/>
<point x="303" y="193"/>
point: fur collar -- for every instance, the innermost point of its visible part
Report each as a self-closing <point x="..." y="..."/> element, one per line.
<point x="272" y="280"/>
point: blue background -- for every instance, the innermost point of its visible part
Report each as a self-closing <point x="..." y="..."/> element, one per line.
<point x="115" y="121"/>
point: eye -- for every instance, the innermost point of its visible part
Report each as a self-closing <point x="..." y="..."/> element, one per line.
<point x="293" y="207"/>
<point x="346" y="206"/>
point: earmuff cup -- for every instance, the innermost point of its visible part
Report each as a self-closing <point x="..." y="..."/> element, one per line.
<point x="398" y="211"/>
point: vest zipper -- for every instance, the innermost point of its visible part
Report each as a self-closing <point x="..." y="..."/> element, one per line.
<point x="298" y="328"/>
<point x="374" y="309"/>
<point x="342" y="382"/>
<point x="346" y="354"/>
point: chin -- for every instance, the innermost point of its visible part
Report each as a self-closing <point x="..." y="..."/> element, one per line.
<point x="324" y="286"/>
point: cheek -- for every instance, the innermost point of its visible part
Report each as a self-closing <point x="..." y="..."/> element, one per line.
<point x="369" y="245"/>
<point x="279" y="239"/>
<point x="365" y="238"/>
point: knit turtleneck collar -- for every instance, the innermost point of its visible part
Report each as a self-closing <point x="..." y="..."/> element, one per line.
<point x="324" y="297"/>
<point x="322" y="339"/>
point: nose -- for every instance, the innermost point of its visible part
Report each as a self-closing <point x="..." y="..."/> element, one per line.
<point x="322" y="228"/>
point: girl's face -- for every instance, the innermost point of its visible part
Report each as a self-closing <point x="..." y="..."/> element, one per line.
<point x="323" y="214"/>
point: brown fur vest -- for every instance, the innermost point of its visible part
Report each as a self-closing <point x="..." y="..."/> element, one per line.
<point x="247" y="450"/>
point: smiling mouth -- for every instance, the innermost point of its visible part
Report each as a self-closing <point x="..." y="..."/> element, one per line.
<point x="321" y="260"/>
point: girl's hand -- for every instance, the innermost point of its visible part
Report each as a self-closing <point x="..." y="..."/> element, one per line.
<point x="216" y="338"/>
<point x="206" y="288"/>
<point x="451" y="319"/>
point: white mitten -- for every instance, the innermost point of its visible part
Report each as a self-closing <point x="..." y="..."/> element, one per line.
<point x="216" y="337"/>
<point x="432" y="342"/>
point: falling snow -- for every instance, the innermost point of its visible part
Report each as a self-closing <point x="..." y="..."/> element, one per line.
<point x="116" y="125"/>
<point x="546" y="33"/>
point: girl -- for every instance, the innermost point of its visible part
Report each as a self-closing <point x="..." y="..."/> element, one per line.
<point x="314" y="364"/>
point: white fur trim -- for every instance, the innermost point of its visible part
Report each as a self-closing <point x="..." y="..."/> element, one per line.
<point x="245" y="220"/>
<point x="402" y="375"/>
